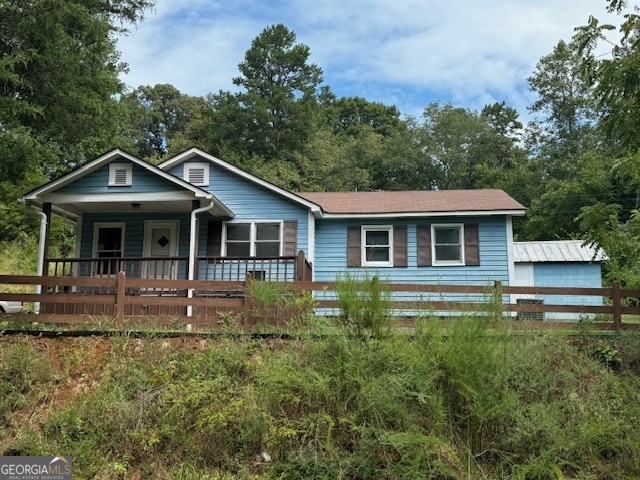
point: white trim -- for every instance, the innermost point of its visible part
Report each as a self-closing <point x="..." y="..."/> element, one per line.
<point x="252" y="234"/>
<point x="114" y="167"/>
<point x="193" y="152"/>
<point x="363" y="245"/>
<point x="465" y="213"/>
<point x="311" y="237"/>
<point x="78" y="248"/>
<point x="118" y="197"/>
<point x="510" y="253"/>
<point x="195" y="165"/>
<point x="447" y="263"/>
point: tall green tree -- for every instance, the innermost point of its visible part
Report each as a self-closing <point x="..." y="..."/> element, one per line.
<point x="280" y="90"/>
<point x="565" y="102"/>
<point x="157" y="115"/>
<point x="59" y="72"/>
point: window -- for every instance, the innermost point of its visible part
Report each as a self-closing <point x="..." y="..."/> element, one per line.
<point x="197" y="173"/>
<point x="108" y="242"/>
<point x="377" y="246"/>
<point x="253" y="239"/>
<point x="448" y="244"/>
<point x="120" y="174"/>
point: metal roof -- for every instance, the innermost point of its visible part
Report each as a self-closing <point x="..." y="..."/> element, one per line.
<point x="556" y="251"/>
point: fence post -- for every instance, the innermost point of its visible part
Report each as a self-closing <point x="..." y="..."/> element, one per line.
<point x="616" y="300"/>
<point x="497" y="299"/>
<point x="121" y="283"/>
<point x="300" y="271"/>
<point x="248" y="303"/>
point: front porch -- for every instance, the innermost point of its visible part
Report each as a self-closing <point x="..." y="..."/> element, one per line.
<point x="210" y="271"/>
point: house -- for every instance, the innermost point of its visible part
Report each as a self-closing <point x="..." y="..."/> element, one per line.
<point x="563" y="263"/>
<point x="195" y="216"/>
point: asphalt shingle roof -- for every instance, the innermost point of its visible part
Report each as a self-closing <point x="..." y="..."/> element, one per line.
<point x="427" y="201"/>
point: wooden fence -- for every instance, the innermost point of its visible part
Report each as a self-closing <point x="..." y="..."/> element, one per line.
<point x="202" y="303"/>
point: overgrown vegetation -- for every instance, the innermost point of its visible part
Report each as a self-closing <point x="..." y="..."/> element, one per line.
<point x="466" y="402"/>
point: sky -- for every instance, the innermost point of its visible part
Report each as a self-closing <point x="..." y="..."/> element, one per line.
<point x="407" y="53"/>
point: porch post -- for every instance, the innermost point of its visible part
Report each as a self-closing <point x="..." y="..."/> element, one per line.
<point x="46" y="209"/>
<point x="43" y="249"/>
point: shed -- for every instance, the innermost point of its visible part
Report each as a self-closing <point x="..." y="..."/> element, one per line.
<point x="562" y="263"/>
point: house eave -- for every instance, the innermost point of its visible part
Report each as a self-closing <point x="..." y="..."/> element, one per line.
<point x="460" y="213"/>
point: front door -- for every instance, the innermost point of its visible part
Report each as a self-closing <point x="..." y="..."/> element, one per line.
<point x="161" y="243"/>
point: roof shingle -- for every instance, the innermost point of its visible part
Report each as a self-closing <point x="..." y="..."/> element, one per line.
<point x="427" y="201"/>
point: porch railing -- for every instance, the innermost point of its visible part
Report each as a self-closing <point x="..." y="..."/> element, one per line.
<point x="234" y="269"/>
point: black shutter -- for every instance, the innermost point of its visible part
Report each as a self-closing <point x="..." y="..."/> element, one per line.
<point x="424" y="245"/>
<point x="214" y="239"/>
<point x="471" y="245"/>
<point x="290" y="238"/>
<point x="400" y="246"/>
<point x="354" y="255"/>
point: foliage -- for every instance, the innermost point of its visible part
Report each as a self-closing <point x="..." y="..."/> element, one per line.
<point x="469" y="401"/>
<point x="269" y="298"/>
<point x="365" y="305"/>
<point x="157" y="115"/>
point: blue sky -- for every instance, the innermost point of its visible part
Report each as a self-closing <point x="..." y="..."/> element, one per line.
<point x="408" y="53"/>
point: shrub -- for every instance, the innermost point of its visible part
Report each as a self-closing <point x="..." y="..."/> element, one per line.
<point x="365" y="305"/>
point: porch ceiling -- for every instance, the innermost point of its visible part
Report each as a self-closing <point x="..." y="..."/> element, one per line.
<point x="170" y="202"/>
<point x="174" y="206"/>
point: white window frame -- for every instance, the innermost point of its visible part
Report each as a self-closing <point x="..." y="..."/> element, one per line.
<point x="119" y="166"/>
<point x="193" y="165"/>
<point x="253" y="234"/>
<point x="96" y="228"/>
<point x="363" y="245"/>
<point x="447" y="263"/>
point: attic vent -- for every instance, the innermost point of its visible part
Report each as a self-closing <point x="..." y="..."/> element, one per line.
<point x="120" y="175"/>
<point x="197" y="173"/>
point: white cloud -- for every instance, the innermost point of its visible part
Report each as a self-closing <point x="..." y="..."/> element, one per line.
<point x="407" y="52"/>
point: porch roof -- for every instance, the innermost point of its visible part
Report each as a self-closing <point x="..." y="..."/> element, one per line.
<point x="69" y="204"/>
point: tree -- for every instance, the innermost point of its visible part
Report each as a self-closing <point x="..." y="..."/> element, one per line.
<point x="157" y="115"/>
<point x="59" y="76"/>
<point x="280" y="92"/>
<point x="566" y="130"/>
<point x="615" y="77"/>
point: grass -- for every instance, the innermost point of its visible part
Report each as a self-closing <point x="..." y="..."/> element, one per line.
<point x="471" y="401"/>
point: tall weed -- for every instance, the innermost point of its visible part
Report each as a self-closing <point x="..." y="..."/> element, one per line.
<point x="365" y="305"/>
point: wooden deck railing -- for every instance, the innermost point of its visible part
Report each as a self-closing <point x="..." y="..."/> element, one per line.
<point x="121" y="296"/>
<point x="230" y="269"/>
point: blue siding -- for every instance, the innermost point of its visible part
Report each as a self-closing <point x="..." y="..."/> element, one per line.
<point x="331" y="254"/>
<point x="331" y="259"/>
<point x="134" y="231"/>
<point x="574" y="274"/>
<point x="98" y="182"/>
<point x="248" y="201"/>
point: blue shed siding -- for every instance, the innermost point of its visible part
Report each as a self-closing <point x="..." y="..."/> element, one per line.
<point x="249" y="202"/>
<point x="573" y="274"/>
<point x="142" y="181"/>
